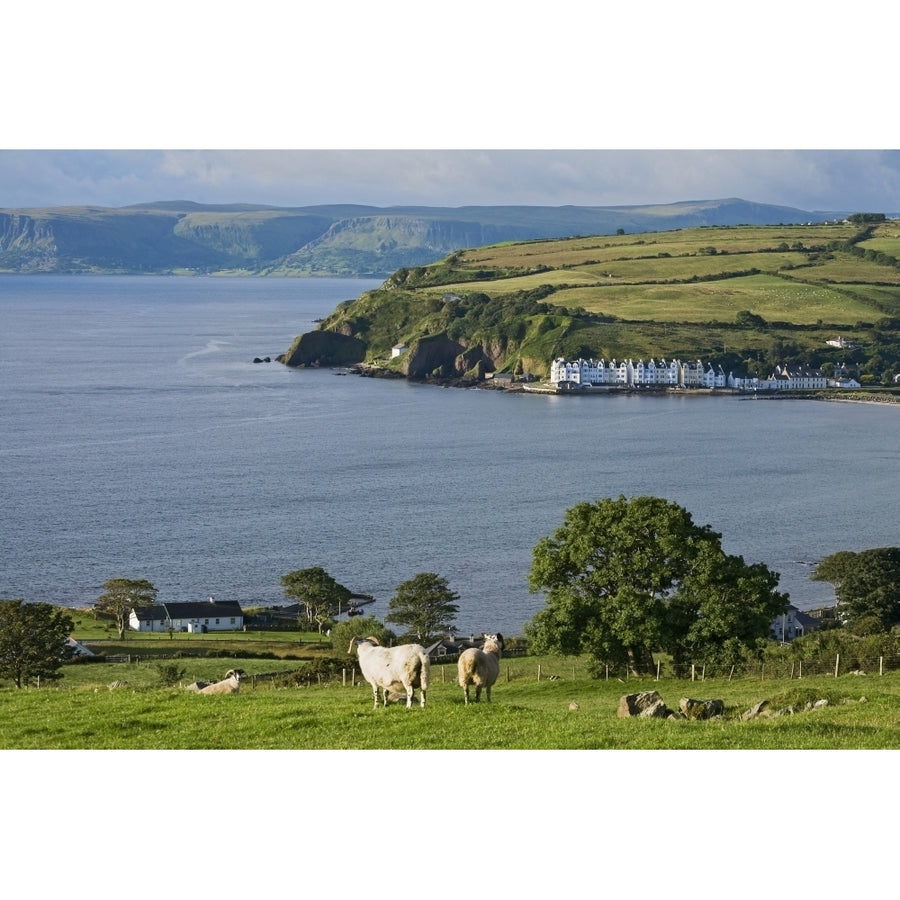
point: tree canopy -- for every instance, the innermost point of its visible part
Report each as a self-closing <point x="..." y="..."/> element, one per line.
<point x="318" y="591"/>
<point x="627" y="577"/>
<point x="866" y="585"/>
<point x="425" y="605"/>
<point x="120" y="596"/>
<point x="33" y="641"/>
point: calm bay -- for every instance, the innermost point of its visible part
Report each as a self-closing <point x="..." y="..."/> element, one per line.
<point x="140" y="440"/>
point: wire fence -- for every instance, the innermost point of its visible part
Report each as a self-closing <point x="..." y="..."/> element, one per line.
<point x="520" y="667"/>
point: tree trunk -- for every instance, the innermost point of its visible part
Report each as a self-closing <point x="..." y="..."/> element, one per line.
<point x="640" y="661"/>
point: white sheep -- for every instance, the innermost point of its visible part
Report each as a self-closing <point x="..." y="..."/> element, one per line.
<point x="231" y="684"/>
<point x="480" y="667"/>
<point x="399" y="669"/>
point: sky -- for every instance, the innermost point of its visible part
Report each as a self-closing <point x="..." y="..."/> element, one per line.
<point x="820" y="180"/>
<point x="398" y="104"/>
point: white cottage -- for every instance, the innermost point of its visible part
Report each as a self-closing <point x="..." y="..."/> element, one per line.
<point x="212" y="615"/>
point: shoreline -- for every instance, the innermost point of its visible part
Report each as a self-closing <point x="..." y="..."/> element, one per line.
<point x="367" y="370"/>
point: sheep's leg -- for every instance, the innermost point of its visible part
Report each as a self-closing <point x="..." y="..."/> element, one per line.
<point x="409" y="696"/>
<point x="478" y="693"/>
<point x="488" y="692"/>
<point x="466" y="692"/>
<point x="375" y="694"/>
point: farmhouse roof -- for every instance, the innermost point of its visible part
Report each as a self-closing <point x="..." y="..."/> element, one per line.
<point x="162" y="611"/>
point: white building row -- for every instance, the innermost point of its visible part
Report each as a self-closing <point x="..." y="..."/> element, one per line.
<point x="675" y="373"/>
<point x="627" y="373"/>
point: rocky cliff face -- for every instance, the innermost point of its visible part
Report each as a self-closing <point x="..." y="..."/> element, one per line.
<point x="356" y="241"/>
<point x="441" y="357"/>
<point x="324" y="348"/>
<point x="27" y="244"/>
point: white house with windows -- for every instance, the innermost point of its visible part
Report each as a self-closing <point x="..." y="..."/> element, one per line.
<point x="628" y="373"/>
<point x="792" y="624"/>
<point x="211" y="615"/>
<point x="691" y="374"/>
<point x="796" y="378"/>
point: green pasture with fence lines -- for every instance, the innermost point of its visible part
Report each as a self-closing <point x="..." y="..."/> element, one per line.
<point x="538" y="703"/>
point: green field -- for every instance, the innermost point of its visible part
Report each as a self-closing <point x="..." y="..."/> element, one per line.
<point x="531" y="709"/>
<point x="678" y="294"/>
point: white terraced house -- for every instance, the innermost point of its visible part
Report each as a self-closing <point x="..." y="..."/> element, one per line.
<point x="628" y="373"/>
<point x="786" y="378"/>
<point x="692" y="374"/>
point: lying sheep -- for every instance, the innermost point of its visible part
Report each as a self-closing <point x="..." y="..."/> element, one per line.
<point x="480" y="667"/>
<point x="231" y="684"/>
<point x="400" y="669"/>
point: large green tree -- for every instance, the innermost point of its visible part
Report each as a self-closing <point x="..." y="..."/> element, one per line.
<point x="425" y="605"/>
<point x="866" y="585"/>
<point x="723" y="608"/>
<point x="626" y="577"/>
<point x="33" y="641"/>
<point x="120" y="596"/>
<point x="320" y="594"/>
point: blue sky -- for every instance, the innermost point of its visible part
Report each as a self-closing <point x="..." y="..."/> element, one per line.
<point x="601" y="105"/>
<point x="854" y="180"/>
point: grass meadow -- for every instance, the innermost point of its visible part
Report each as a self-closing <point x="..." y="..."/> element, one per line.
<point x="539" y="703"/>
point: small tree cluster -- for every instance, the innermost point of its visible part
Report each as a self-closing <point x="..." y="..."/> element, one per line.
<point x="33" y="641"/>
<point x="425" y="605"/>
<point x="866" y="587"/>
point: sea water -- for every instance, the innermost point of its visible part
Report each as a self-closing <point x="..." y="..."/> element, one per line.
<point x="139" y="439"/>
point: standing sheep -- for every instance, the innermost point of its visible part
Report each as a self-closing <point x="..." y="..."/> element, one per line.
<point x="480" y="667"/>
<point x="399" y="668"/>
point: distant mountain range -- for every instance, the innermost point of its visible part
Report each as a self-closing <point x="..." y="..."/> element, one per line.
<point x="176" y="237"/>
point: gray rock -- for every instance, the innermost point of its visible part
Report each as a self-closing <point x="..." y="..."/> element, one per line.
<point x="701" y="709"/>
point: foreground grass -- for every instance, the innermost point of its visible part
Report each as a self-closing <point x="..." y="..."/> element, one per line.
<point x="526" y="713"/>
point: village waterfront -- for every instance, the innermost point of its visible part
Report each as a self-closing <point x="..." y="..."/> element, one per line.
<point x="140" y="440"/>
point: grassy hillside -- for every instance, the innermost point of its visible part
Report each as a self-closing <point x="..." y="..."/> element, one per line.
<point x="538" y="703"/>
<point x="748" y="297"/>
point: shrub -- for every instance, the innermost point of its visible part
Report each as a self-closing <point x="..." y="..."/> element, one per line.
<point x="169" y="673"/>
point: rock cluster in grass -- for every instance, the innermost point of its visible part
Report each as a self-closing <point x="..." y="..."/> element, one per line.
<point x="764" y="709"/>
<point x="650" y="705"/>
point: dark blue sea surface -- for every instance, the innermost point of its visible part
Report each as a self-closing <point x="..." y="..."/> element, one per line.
<point x="138" y="439"/>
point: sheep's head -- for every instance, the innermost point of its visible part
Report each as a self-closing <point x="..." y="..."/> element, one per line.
<point x="234" y="673"/>
<point x="355" y="641"/>
<point x="493" y="641"/>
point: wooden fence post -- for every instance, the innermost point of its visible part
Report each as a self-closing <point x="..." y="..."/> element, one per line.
<point x="692" y="671"/>
<point x="539" y="671"/>
<point x="657" y="670"/>
<point x="837" y="663"/>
